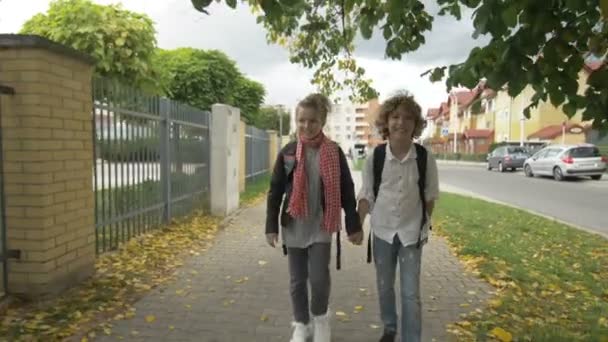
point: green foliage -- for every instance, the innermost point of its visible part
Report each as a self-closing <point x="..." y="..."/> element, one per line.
<point x="268" y="118"/>
<point x="121" y="42"/>
<point x="541" y="43"/>
<point x="248" y="95"/>
<point x="255" y="190"/>
<point x="479" y="157"/>
<point x="197" y="77"/>
<point x="143" y="149"/>
<point x="495" y="145"/>
<point x="204" y="77"/>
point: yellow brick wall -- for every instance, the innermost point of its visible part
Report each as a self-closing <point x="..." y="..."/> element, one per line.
<point x="47" y="148"/>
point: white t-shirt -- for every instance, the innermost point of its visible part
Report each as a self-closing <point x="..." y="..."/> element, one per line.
<point x="398" y="208"/>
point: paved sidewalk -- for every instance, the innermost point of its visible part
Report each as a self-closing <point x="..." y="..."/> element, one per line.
<point x="238" y="291"/>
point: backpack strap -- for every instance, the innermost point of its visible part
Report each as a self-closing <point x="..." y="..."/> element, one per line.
<point x="421" y="158"/>
<point x="378" y="163"/>
<point x="379" y="156"/>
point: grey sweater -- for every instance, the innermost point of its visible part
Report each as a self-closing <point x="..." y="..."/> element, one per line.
<point x="301" y="233"/>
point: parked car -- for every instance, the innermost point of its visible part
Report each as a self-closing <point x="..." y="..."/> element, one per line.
<point x="562" y="161"/>
<point x="507" y="157"/>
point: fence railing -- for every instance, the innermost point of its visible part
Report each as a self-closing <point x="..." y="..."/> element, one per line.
<point x="257" y="143"/>
<point x="151" y="161"/>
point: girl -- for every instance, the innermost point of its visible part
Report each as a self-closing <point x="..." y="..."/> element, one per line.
<point x="312" y="182"/>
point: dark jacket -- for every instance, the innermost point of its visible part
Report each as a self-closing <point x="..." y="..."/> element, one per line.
<point x="281" y="186"/>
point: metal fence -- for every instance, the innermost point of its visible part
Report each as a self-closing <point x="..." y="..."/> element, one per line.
<point x="151" y="161"/>
<point x="257" y="142"/>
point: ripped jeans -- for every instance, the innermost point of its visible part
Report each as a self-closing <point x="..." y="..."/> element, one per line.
<point x="386" y="256"/>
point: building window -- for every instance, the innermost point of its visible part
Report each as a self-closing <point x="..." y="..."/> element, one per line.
<point x="336" y="127"/>
<point x="348" y="128"/>
<point x="337" y="136"/>
<point x="348" y="119"/>
<point x="348" y="136"/>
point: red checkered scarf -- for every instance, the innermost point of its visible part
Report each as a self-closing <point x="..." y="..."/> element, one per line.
<point x="329" y="167"/>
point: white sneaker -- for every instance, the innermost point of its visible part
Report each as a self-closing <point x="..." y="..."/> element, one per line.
<point x="322" y="329"/>
<point x="301" y="332"/>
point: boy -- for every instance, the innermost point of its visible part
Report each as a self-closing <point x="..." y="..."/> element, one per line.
<point x="400" y="208"/>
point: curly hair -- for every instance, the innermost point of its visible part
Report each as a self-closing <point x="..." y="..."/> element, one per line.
<point x="406" y="101"/>
<point x="317" y="102"/>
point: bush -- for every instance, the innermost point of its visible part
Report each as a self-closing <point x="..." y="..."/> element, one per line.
<point x="148" y="149"/>
<point x="479" y="157"/>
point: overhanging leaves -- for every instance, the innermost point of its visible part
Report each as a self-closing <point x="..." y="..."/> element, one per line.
<point x="536" y="43"/>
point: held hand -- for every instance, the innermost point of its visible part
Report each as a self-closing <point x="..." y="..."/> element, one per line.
<point x="357" y="238"/>
<point x="272" y="239"/>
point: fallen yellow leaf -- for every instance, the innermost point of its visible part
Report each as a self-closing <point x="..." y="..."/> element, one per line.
<point x="150" y="318"/>
<point x="264" y="318"/>
<point x="358" y="308"/>
<point x="501" y="334"/>
<point x="495" y="303"/>
<point x="340" y="313"/>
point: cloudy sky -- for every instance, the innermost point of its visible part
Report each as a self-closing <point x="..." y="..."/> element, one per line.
<point x="236" y="33"/>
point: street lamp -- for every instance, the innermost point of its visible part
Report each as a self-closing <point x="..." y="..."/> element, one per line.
<point x="521" y="130"/>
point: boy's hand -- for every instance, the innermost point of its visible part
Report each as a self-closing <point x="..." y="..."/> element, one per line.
<point x="272" y="239"/>
<point x="363" y="210"/>
<point x="356" y="238"/>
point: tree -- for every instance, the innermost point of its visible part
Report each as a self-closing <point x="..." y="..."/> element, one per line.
<point x="269" y="117"/>
<point x="204" y="77"/>
<point x="198" y="77"/>
<point x="541" y="43"/>
<point x="248" y="95"/>
<point x="121" y="42"/>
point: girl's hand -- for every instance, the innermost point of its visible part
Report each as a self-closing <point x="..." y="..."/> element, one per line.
<point x="272" y="239"/>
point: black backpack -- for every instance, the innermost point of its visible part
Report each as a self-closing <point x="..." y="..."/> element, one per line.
<point x="421" y="157"/>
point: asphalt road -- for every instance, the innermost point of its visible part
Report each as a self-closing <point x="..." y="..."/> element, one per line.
<point x="582" y="202"/>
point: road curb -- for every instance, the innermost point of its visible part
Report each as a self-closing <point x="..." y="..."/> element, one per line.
<point x="463" y="192"/>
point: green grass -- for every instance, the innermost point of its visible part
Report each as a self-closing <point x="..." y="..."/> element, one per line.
<point x="553" y="279"/>
<point x="358" y="164"/>
<point x="255" y="189"/>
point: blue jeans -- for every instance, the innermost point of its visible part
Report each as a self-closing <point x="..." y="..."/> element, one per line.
<point x="386" y="256"/>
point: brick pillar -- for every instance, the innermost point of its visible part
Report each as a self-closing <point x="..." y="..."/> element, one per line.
<point x="242" y="157"/>
<point x="225" y="159"/>
<point x="273" y="148"/>
<point x="48" y="162"/>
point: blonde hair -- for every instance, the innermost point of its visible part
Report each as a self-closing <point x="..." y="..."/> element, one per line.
<point x="317" y="102"/>
<point x="407" y="102"/>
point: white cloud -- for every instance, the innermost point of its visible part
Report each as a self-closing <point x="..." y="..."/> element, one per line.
<point x="392" y="76"/>
<point x="236" y="33"/>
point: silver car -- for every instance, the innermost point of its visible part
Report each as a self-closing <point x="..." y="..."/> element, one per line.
<point x="563" y="161"/>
